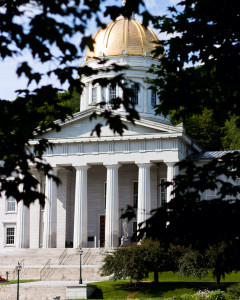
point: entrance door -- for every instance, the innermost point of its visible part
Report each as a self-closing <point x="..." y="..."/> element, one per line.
<point x="102" y="231"/>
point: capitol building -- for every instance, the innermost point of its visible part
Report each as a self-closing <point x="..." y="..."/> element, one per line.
<point x="101" y="176"/>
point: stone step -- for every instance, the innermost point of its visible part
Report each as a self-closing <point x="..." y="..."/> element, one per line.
<point x="66" y="268"/>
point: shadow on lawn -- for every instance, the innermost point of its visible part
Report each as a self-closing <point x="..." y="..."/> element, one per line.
<point x="162" y="289"/>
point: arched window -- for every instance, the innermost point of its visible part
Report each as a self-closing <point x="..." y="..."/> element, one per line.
<point x="134" y="97"/>
<point x="11" y="205"/>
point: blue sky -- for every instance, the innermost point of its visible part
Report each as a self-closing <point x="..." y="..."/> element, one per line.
<point x="9" y="82"/>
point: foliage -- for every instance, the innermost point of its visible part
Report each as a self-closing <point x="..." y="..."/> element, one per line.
<point x="198" y="74"/>
<point x="211" y="295"/>
<point x="60" y="46"/>
<point x="201" y="295"/>
<point x="170" y="286"/>
<point x="205" y="128"/>
<point x="231" y="140"/>
<point x="206" y="225"/>
<point x="192" y="263"/>
<point x="136" y="261"/>
<point x="70" y="100"/>
<point x="125" y="262"/>
<point x="201" y="64"/>
<point x="233" y="291"/>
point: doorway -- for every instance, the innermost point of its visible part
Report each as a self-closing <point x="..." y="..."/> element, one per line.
<point x="102" y="231"/>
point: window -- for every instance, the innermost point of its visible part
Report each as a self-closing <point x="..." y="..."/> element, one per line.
<point x="153" y="99"/>
<point x="163" y="194"/>
<point x="112" y="92"/>
<point x="94" y="94"/>
<point x="11" y="205"/>
<point x="135" y="194"/>
<point x="10" y="235"/>
<point x="134" y="97"/>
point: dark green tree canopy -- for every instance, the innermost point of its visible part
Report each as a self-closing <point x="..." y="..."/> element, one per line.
<point x="203" y="224"/>
<point x="201" y="65"/>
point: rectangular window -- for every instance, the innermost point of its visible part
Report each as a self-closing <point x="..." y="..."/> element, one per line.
<point x="11" y="204"/>
<point x="163" y="194"/>
<point x="135" y="194"/>
<point x="10" y="235"/>
<point x="153" y="99"/>
<point x="112" y="92"/>
<point x="94" y="94"/>
<point x="134" y="97"/>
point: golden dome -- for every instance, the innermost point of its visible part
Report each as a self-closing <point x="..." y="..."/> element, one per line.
<point x="123" y="36"/>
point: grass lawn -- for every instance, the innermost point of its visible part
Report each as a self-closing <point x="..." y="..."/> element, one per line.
<point x="169" y="285"/>
<point x="15" y="281"/>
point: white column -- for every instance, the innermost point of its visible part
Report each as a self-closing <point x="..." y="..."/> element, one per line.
<point x="80" y="237"/>
<point x="50" y="213"/>
<point x="112" y="211"/>
<point x="34" y="224"/>
<point x="172" y="171"/>
<point x="63" y="195"/>
<point x="34" y="220"/>
<point x="144" y="192"/>
<point x="22" y="235"/>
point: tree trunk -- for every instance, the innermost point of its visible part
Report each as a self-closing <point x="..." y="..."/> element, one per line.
<point x="218" y="278"/>
<point x="156" y="276"/>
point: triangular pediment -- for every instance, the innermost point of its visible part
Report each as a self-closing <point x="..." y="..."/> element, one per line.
<point x="81" y="126"/>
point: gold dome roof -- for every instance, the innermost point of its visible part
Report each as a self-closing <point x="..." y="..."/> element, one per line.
<point x="123" y="36"/>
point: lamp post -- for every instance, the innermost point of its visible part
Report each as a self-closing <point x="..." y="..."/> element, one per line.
<point x="80" y="255"/>
<point x="18" y="268"/>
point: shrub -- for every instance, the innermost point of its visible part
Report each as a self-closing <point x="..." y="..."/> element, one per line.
<point x="202" y="295"/>
<point x="211" y="295"/>
<point x="233" y="292"/>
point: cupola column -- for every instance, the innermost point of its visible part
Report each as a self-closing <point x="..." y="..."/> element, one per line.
<point x="112" y="207"/>
<point x="80" y="237"/>
<point x="50" y="212"/>
<point x="144" y="192"/>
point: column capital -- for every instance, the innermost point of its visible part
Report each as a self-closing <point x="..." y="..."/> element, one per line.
<point x="109" y="166"/>
<point x="170" y="163"/>
<point x="85" y="167"/>
<point x="144" y="164"/>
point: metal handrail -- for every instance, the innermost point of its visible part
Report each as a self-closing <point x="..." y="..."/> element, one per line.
<point x="22" y="263"/>
<point x="45" y="268"/>
<point x="62" y="256"/>
<point x="86" y="256"/>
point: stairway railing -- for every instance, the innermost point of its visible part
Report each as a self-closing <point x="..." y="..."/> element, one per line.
<point x="62" y="257"/>
<point x="45" y="269"/>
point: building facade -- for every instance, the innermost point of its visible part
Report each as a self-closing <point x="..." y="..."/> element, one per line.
<point x="100" y="176"/>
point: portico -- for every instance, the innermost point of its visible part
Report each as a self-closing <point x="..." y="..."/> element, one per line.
<point x="95" y="192"/>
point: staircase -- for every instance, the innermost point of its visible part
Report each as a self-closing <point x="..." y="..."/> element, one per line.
<point x="52" y="264"/>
